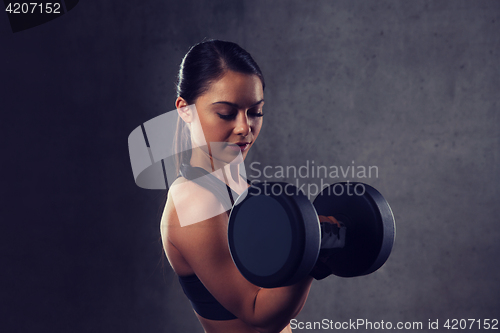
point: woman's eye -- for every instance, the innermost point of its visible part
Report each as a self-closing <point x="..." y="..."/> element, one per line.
<point x="256" y="114"/>
<point x="227" y="116"/>
<point x="232" y="116"/>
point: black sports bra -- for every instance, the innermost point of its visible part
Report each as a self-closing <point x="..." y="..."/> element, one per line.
<point x="203" y="302"/>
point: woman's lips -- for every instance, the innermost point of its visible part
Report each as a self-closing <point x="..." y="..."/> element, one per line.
<point x="240" y="146"/>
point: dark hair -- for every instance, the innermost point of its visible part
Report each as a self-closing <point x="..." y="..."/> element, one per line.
<point x="203" y="64"/>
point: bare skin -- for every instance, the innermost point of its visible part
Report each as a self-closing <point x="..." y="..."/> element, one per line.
<point x="201" y="248"/>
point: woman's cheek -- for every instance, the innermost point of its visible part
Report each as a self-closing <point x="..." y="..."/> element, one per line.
<point x="199" y="134"/>
<point x="257" y="128"/>
<point x="210" y="131"/>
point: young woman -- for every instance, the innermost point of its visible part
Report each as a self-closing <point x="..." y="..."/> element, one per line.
<point x="220" y="98"/>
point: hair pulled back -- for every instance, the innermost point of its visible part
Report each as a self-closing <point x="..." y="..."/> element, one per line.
<point x="205" y="63"/>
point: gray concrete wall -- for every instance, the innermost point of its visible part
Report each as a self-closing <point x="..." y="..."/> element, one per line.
<point x="411" y="87"/>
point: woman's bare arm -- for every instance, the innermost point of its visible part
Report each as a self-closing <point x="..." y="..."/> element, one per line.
<point x="204" y="246"/>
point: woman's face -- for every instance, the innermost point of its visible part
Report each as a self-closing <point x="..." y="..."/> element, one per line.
<point x="230" y="116"/>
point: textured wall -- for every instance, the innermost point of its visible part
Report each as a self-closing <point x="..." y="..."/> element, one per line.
<point x="409" y="87"/>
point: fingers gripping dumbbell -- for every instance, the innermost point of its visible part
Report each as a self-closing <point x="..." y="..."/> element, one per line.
<point x="332" y="232"/>
<point x="276" y="239"/>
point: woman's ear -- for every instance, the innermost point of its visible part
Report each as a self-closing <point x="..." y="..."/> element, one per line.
<point x="184" y="110"/>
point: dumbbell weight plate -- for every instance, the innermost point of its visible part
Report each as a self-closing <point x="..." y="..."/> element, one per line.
<point x="274" y="238"/>
<point x="370" y="227"/>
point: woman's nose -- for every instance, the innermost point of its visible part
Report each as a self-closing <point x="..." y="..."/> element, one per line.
<point x="242" y="124"/>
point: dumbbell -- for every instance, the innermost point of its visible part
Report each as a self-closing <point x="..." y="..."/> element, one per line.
<point x="275" y="236"/>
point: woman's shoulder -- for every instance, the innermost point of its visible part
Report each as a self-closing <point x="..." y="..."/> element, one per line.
<point x="189" y="202"/>
<point x="188" y="193"/>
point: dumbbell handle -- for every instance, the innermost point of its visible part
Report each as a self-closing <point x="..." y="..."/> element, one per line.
<point x="332" y="232"/>
<point x="332" y="237"/>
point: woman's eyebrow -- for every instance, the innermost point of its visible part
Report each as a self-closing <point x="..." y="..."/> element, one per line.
<point x="234" y="105"/>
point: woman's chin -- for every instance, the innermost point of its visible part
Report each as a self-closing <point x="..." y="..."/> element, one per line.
<point x="238" y="160"/>
<point x="234" y="159"/>
<point x="229" y="157"/>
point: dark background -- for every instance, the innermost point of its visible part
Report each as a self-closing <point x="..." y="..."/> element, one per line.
<point x="411" y="87"/>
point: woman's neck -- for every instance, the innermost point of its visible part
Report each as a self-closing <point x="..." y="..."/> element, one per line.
<point x="226" y="172"/>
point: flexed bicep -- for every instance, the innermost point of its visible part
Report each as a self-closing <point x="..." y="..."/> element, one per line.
<point x="203" y="245"/>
